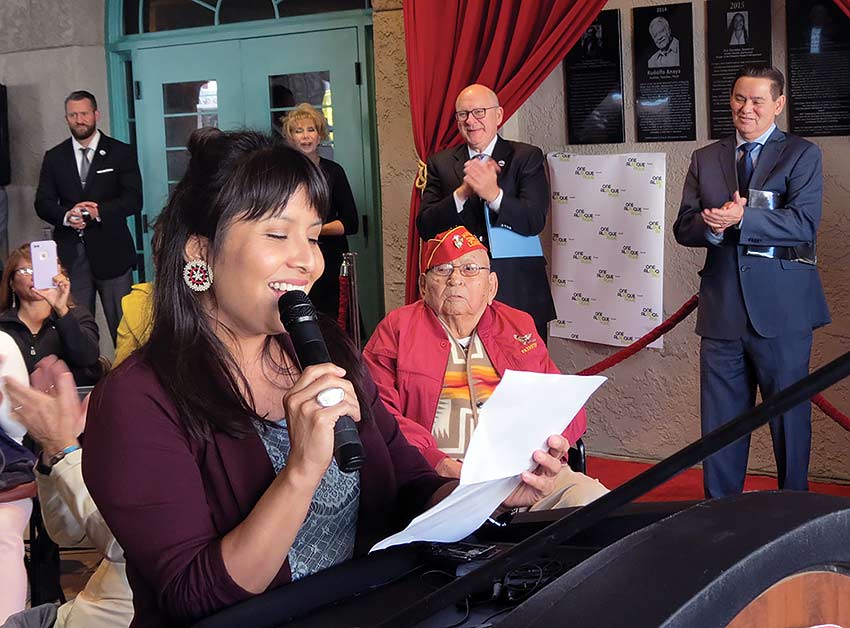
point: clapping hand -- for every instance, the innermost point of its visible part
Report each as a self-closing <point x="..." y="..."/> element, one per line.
<point x="730" y="214"/>
<point x="51" y="409"/>
<point x="480" y="175"/>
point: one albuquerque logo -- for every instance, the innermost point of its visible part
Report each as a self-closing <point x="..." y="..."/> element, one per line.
<point x="634" y="210"/>
<point x="656" y="180"/>
<point x="652" y="270"/>
<point x="559" y="198"/>
<point x="635" y="164"/>
<point x="583" y="215"/>
<point x="607" y="233"/>
<point x="620" y="336"/>
<point x="610" y="190"/>
<point x="584" y="173"/>
<point x="582" y="258"/>
<point x="629" y="252"/>
<point x="601" y="318"/>
<point x="625" y="294"/>
<point x="604" y="276"/>
<point x="579" y="298"/>
<point x="562" y="156"/>
<point x="649" y="313"/>
<point x="559" y="282"/>
<point x="557" y="239"/>
<point x="654" y="226"/>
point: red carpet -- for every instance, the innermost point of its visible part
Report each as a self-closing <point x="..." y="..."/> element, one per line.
<point x="688" y="484"/>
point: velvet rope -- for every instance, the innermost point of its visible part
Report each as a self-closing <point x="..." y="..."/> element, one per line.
<point x="678" y="316"/>
<point x="831" y="411"/>
<point x="344" y="293"/>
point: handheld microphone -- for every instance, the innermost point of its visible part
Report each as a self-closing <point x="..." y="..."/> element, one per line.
<point x="299" y="318"/>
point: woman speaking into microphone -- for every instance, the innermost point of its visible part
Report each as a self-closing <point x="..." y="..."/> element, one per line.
<point x="209" y="452"/>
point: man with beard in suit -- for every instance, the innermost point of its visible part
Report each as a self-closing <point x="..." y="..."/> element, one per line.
<point x="498" y="190"/>
<point x="89" y="185"/>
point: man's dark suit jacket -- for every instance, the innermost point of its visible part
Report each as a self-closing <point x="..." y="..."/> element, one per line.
<point x="523" y="281"/>
<point x="776" y="296"/>
<point x="114" y="183"/>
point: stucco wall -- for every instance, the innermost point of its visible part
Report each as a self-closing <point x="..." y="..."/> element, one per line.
<point x="650" y="406"/>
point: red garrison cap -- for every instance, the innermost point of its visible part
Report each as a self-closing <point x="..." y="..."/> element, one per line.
<point x="447" y="247"/>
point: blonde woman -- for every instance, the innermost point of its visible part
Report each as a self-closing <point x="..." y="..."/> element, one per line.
<point x="304" y="128"/>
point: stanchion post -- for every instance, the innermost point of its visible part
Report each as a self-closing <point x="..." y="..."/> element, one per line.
<point x="349" y="269"/>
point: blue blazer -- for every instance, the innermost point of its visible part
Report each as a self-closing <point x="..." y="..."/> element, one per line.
<point x="775" y="296"/>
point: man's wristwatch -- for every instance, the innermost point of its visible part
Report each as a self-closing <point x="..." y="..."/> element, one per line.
<point x="45" y="469"/>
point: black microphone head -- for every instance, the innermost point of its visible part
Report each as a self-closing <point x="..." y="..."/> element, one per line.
<point x="295" y="307"/>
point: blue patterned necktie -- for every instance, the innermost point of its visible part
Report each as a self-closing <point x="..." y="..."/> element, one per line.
<point x="745" y="167"/>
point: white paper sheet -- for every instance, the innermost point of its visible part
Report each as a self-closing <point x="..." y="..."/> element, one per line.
<point x="457" y="516"/>
<point x="524" y="410"/>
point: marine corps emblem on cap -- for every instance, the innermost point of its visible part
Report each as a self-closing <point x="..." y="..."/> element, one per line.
<point x="447" y="247"/>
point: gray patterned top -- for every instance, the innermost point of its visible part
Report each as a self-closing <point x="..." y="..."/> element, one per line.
<point x="327" y="535"/>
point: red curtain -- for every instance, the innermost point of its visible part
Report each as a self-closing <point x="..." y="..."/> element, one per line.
<point x="844" y="5"/>
<point x="508" y="45"/>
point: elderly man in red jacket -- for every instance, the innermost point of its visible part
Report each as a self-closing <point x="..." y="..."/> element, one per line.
<point x="438" y="360"/>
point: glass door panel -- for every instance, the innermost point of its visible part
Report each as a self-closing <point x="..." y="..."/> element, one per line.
<point x="320" y="68"/>
<point x="182" y="88"/>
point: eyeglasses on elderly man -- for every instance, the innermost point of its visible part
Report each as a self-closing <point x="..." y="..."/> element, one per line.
<point x="447" y="270"/>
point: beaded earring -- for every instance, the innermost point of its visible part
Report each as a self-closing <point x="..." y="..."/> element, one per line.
<point x="198" y="275"/>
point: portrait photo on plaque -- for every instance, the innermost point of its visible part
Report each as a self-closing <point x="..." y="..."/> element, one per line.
<point x="738" y="33"/>
<point x="818" y="68"/>
<point x="664" y="73"/>
<point x="593" y="79"/>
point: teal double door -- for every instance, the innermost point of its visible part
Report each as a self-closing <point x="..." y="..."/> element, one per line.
<point x="251" y="83"/>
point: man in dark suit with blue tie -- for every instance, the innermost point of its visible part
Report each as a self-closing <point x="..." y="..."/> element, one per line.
<point x="760" y="292"/>
<point x="89" y="185"/>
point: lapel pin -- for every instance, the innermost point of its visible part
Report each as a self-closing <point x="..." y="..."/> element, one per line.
<point x="101" y="152"/>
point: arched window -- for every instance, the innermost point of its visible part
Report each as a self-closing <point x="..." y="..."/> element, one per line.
<point x="150" y="16"/>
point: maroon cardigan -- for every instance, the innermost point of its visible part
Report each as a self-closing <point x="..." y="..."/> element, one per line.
<point x="170" y="499"/>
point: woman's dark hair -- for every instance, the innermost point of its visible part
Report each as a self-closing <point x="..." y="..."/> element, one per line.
<point x="231" y="177"/>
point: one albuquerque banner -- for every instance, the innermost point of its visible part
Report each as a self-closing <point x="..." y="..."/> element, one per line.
<point x="607" y="246"/>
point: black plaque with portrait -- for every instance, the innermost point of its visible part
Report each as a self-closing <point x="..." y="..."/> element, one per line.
<point x="818" y="68"/>
<point x="664" y="73"/>
<point x="738" y="34"/>
<point x="593" y="74"/>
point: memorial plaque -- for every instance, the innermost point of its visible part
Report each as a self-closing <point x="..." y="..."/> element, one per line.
<point x="664" y="73"/>
<point x="738" y="34"/>
<point x="818" y="68"/>
<point x="593" y="75"/>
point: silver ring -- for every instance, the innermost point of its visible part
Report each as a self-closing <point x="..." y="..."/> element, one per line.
<point x="330" y="397"/>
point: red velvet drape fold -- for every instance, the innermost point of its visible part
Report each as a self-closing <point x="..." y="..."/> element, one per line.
<point x="508" y="45"/>
<point x="844" y="5"/>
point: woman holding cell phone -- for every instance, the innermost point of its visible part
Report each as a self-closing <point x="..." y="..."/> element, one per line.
<point x="46" y="321"/>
